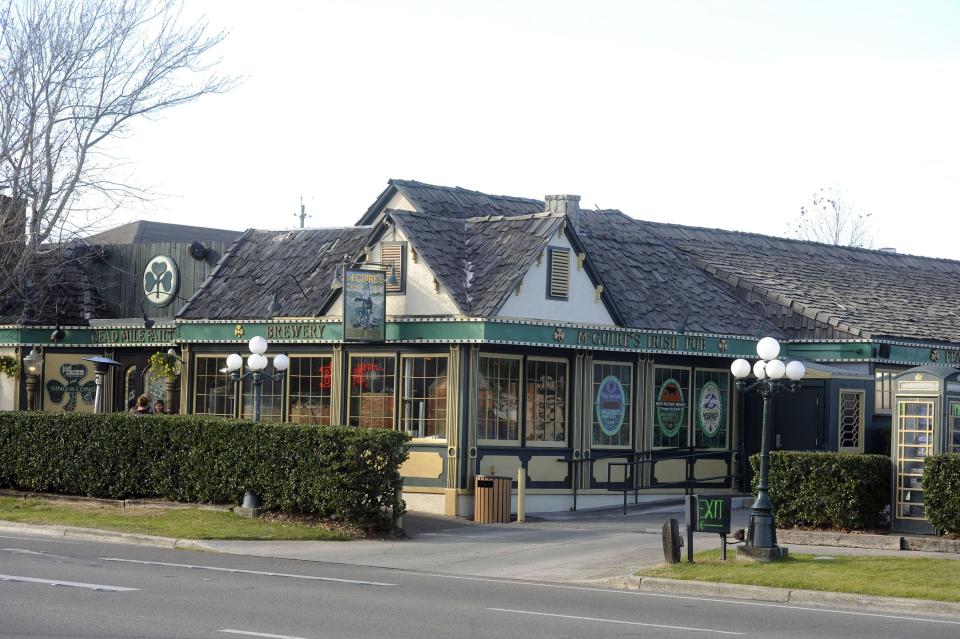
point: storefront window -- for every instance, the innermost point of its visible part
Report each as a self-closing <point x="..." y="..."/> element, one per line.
<point x="612" y="405"/>
<point x="424" y="402"/>
<point x="883" y="391"/>
<point x="671" y="390"/>
<point x="712" y="397"/>
<point x="310" y="383"/>
<point x="546" y="417"/>
<point x="130" y="388"/>
<point x="213" y="389"/>
<point x="498" y="399"/>
<point x="271" y="399"/>
<point x="372" y="384"/>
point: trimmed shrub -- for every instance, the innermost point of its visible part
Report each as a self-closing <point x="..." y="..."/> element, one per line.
<point x="353" y="473"/>
<point x="941" y="491"/>
<point x="845" y="491"/>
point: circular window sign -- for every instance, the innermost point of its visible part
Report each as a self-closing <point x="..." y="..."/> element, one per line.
<point x="161" y="279"/>
<point x="671" y="407"/>
<point x="610" y="405"/>
<point x="710" y="405"/>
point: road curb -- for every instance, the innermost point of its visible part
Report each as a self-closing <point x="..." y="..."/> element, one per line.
<point x="799" y="597"/>
<point x="110" y="536"/>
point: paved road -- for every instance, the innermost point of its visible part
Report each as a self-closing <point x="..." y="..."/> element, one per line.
<point x="67" y="588"/>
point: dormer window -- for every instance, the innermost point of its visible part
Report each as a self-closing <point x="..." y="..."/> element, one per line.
<point x="558" y="273"/>
<point x="393" y="255"/>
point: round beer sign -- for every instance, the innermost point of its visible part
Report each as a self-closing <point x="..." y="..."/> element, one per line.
<point x="710" y="409"/>
<point x="671" y="407"/>
<point x="610" y="405"/>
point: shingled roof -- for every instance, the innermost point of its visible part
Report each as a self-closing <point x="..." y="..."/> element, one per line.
<point x="144" y="231"/>
<point x="654" y="286"/>
<point x="862" y="292"/>
<point x="451" y="202"/>
<point x="478" y="260"/>
<point x="260" y="262"/>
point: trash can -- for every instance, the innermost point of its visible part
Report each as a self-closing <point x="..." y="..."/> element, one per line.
<point x="492" y="500"/>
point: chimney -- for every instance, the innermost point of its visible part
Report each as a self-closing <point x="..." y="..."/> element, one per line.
<point x="569" y="205"/>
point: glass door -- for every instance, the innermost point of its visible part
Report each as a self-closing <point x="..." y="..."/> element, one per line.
<point x="915" y="431"/>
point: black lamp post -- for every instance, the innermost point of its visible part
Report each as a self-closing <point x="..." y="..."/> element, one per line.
<point x="257" y="362"/>
<point x="769" y="371"/>
<point x="32" y="366"/>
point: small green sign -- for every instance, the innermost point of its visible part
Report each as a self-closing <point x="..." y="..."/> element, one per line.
<point x="713" y="514"/>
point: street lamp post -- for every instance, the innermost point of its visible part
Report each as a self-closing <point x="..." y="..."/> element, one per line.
<point x="769" y="371"/>
<point x="32" y="365"/>
<point x="257" y="362"/>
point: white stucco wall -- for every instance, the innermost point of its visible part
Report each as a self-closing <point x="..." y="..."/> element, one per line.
<point x="532" y="302"/>
<point x="420" y="298"/>
<point x="8" y="387"/>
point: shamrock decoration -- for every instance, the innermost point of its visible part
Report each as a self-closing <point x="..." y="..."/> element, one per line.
<point x="558" y="334"/>
<point x="72" y="374"/>
<point x="158" y="280"/>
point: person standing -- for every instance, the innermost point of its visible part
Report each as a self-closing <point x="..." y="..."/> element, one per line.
<point x="143" y="405"/>
<point x="159" y="408"/>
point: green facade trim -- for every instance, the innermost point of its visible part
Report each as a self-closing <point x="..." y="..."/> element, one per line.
<point x="521" y="333"/>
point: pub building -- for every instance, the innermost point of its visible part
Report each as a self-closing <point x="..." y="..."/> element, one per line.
<point x="505" y="333"/>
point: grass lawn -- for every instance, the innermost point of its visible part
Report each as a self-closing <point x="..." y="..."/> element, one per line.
<point x="181" y="523"/>
<point x="916" y="578"/>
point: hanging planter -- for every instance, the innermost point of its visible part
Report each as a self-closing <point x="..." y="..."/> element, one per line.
<point x="165" y="366"/>
<point x="9" y="366"/>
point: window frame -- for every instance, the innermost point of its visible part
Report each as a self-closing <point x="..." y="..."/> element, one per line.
<point x="521" y="399"/>
<point x="232" y="395"/>
<point x="289" y="386"/>
<point x="629" y="410"/>
<point x="728" y="409"/>
<point x="861" y="426"/>
<point x="654" y="391"/>
<point x="348" y="383"/>
<point x="566" y="403"/>
<point x="399" y="398"/>
<point x="890" y="393"/>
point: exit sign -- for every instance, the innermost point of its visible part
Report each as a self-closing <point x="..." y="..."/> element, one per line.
<point x="713" y="514"/>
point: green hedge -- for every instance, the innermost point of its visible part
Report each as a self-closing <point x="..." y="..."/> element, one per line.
<point x="845" y="491"/>
<point x="352" y="473"/>
<point x="941" y="491"/>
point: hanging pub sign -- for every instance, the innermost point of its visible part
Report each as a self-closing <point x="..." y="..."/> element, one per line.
<point x="364" y="306"/>
<point x="671" y="407"/>
<point x="70" y="385"/>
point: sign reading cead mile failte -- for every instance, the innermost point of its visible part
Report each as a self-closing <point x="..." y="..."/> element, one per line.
<point x="610" y="405"/>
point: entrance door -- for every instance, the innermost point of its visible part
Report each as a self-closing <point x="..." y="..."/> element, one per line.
<point x="914" y="436"/>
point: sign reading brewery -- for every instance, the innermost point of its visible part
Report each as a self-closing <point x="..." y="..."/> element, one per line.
<point x="364" y="306"/>
<point x="132" y="335"/>
<point x="161" y="280"/>
<point x="295" y="331"/>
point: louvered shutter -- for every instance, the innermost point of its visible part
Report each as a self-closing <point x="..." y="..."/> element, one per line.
<point x="559" y="273"/>
<point x="392" y="254"/>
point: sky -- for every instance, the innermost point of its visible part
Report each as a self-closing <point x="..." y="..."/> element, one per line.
<point x="720" y="114"/>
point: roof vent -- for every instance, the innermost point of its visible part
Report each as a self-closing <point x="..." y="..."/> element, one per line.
<point x="887" y="249"/>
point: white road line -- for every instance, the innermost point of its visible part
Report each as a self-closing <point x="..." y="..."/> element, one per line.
<point x="24" y="551"/>
<point x="617" y="621"/>
<point x="41" y="538"/>
<point x="258" y="634"/>
<point x="634" y="593"/>
<point x="247" y="572"/>
<point x="57" y="582"/>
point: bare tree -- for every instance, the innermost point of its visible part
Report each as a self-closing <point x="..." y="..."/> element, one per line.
<point x="831" y="219"/>
<point x="74" y="75"/>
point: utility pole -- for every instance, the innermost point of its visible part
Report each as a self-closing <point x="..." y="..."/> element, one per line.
<point x="303" y="213"/>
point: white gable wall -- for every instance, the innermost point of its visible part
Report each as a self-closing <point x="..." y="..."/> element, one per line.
<point x="420" y="298"/>
<point x="8" y="386"/>
<point x="532" y="302"/>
